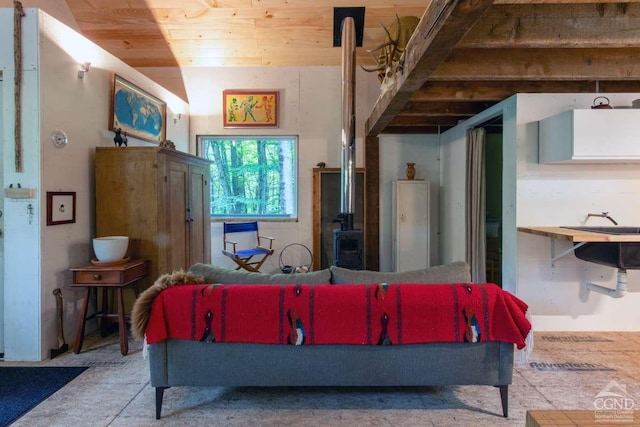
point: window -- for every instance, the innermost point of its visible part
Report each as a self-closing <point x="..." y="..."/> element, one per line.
<point x="252" y="177"/>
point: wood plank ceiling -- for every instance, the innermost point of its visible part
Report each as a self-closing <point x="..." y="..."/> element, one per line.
<point x="474" y="53"/>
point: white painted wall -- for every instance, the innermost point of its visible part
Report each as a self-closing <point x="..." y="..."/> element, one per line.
<point x="310" y="107"/>
<point x="22" y="263"/>
<point x="395" y="152"/>
<point x="55" y="98"/>
<point x="452" y="195"/>
<point x="564" y="195"/>
<point x="546" y="195"/>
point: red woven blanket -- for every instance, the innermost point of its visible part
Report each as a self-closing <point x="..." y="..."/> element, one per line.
<point x="338" y="314"/>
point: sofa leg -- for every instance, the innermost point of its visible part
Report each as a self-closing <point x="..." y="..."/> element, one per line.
<point x="504" y="397"/>
<point x="159" y="396"/>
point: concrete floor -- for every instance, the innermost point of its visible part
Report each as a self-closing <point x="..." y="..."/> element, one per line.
<point x="565" y="371"/>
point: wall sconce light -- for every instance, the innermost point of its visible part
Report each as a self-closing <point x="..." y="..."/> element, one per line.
<point x="176" y="118"/>
<point x="84" y="68"/>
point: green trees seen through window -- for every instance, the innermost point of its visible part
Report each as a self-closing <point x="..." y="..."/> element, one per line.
<point x="252" y="176"/>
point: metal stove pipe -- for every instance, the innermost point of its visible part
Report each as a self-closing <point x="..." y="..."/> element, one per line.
<point x="348" y="163"/>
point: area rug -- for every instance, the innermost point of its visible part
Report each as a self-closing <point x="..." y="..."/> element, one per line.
<point x="24" y="387"/>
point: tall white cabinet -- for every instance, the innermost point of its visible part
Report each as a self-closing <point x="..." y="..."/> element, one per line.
<point x="410" y="225"/>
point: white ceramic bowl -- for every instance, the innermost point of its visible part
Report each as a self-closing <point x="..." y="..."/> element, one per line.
<point x="110" y="248"/>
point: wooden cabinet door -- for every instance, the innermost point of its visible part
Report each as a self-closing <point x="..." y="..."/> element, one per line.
<point x="176" y="241"/>
<point x="199" y="215"/>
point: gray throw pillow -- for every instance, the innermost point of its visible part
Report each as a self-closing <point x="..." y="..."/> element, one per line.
<point x="456" y="272"/>
<point x="215" y="274"/>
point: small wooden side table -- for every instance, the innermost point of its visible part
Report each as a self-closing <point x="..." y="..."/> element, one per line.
<point x="107" y="277"/>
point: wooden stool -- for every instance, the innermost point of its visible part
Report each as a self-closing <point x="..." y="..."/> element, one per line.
<point x="115" y="277"/>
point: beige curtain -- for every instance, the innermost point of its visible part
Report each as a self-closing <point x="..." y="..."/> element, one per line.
<point x="475" y="215"/>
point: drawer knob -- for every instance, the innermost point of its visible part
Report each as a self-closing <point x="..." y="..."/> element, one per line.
<point x="97" y="277"/>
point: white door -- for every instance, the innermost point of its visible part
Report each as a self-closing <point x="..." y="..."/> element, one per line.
<point x="411" y="225"/>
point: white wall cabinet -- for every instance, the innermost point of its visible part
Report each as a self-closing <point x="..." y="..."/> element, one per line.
<point x="410" y="225"/>
<point x="591" y="136"/>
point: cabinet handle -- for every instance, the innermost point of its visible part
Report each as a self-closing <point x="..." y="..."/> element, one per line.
<point x="97" y="277"/>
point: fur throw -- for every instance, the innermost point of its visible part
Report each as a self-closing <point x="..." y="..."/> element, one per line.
<point x="142" y="305"/>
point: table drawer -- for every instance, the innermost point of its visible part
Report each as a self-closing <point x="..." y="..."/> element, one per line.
<point x="137" y="272"/>
<point x="96" y="277"/>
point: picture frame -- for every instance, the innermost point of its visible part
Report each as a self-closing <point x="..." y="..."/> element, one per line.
<point x="61" y="207"/>
<point x="250" y="108"/>
<point x="127" y="103"/>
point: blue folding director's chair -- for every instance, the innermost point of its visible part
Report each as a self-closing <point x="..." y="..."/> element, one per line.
<point x="245" y="257"/>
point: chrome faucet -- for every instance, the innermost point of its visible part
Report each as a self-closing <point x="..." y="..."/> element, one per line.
<point x="603" y="215"/>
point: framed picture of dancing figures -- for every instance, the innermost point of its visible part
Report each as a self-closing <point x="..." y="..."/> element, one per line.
<point x="250" y="108"/>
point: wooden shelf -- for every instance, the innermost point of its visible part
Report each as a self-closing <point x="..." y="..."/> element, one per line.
<point x="571" y="235"/>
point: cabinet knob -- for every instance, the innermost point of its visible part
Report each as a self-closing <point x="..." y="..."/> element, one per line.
<point x="97" y="277"/>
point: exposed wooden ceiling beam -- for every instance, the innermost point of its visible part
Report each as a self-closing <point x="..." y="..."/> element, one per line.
<point x="445" y="108"/>
<point x="558" y="1"/>
<point x="556" y="25"/>
<point x="428" y="47"/>
<point x="541" y="64"/>
<point x="447" y="90"/>
<point x="413" y="121"/>
<point x="414" y="129"/>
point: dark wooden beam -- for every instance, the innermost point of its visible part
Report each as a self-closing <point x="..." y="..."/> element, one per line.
<point x="451" y="90"/>
<point x="442" y="26"/>
<point x="420" y="130"/>
<point x="555" y="1"/>
<point x="445" y="108"/>
<point x="556" y="25"/>
<point x="541" y="64"/>
<point x="372" y="203"/>
<point x="426" y="120"/>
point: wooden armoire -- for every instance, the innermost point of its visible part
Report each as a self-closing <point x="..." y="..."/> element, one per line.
<point x="160" y="198"/>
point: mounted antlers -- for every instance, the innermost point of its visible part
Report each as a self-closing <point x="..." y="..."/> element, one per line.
<point x="392" y="49"/>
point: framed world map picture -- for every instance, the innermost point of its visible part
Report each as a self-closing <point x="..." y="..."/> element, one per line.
<point x="137" y="113"/>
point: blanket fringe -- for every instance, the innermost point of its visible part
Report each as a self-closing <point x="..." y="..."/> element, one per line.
<point x="145" y="348"/>
<point x="525" y="353"/>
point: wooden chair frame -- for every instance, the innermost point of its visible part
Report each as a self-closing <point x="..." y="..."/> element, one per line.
<point x="244" y="258"/>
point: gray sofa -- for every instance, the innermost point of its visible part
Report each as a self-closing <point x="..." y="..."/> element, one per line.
<point x="192" y="363"/>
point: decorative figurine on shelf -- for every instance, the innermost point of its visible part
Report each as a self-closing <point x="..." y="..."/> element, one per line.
<point x="167" y="143"/>
<point x="120" y="138"/>
<point x="411" y="170"/>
